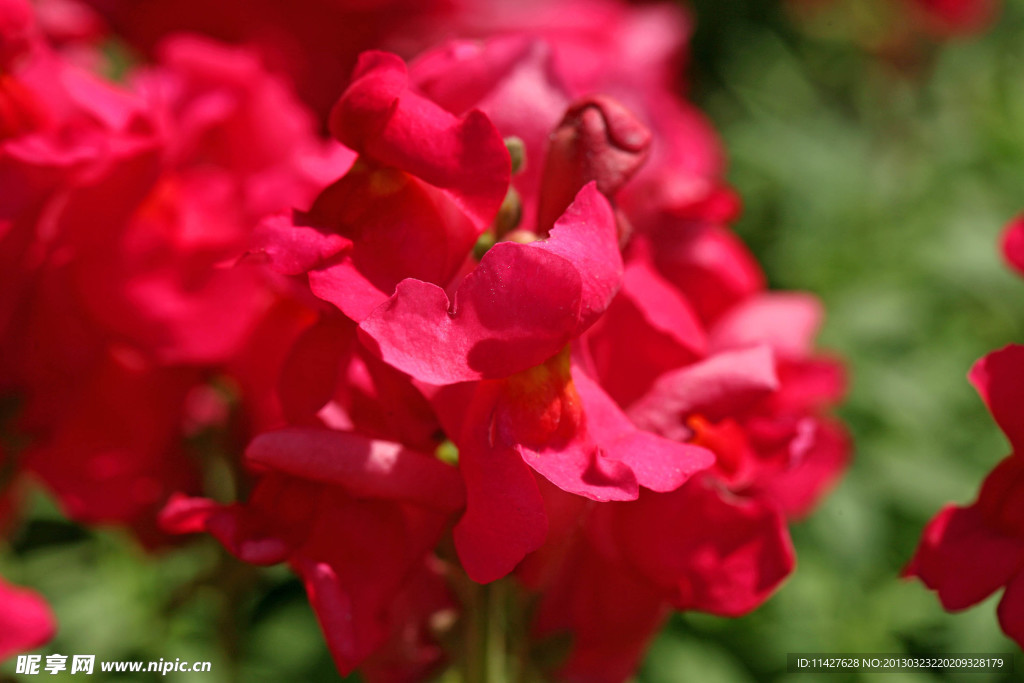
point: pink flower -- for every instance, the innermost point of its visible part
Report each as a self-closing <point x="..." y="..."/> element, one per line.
<point x="26" y="621"/>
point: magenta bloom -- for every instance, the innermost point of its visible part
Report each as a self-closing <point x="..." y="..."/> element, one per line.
<point x="26" y="621"/>
<point x="494" y="328"/>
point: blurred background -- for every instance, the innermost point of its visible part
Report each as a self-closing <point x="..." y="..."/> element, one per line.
<point x="877" y="172"/>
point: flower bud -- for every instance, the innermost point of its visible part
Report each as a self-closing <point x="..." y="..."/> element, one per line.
<point x="598" y="139"/>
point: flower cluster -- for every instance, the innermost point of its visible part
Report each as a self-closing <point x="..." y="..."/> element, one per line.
<point x="967" y="553"/>
<point x="495" y="329"/>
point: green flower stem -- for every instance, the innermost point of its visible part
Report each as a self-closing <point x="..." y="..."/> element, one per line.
<point x="491" y="650"/>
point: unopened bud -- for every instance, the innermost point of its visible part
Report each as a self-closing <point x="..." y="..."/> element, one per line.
<point x="599" y="140"/>
<point x="517" y="151"/>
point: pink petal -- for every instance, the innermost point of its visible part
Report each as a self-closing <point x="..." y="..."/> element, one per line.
<point x="380" y="117"/>
<point x="647" y="328"/>
<point x="583" y="469"/>
<point x="26" y="621"/>
<point x="504" y="517"/>
<point x="658" y="463"/>
<point x="294" y="249"/>
<point x="585" y="235"/>
<point x="663" y="308"/>
<point x="712" y="268"/>
<point x="519" y="307"/>
<point x="785" y="321"/>
<point x="539" y="413"/>
<point x="364" y="467"/>
<point x="718" y="387"/>
<point x="346" y="287"/>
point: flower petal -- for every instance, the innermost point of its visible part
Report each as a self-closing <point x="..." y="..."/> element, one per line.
<point x="520" y="306"/>
<point x="658" y="463"/>
<point x="718" y="387"/>
<point x="26" y="621"/>
<point x="997" y="378"/>
<point x="366" y="468"/>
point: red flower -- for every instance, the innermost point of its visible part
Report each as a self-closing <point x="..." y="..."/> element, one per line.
<point x="356" y="518"/>
<point x="1013" y="244"/>
<point x="425" y="185"/>
<point x="519" y="307"/>
<point x="967" y="553"/>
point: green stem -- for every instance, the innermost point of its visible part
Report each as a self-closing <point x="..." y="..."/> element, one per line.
<point x="497" y="632"/>
<point x="488" y="654"/>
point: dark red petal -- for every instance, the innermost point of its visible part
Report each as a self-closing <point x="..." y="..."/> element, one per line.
<point x="715" y="553"/>
<point x="997" y="377"/>
<point x="309" y="374"/>
<point x="1011" y="609"/>
<point x="598" y="140"/>
<point x="798" y="488"/>
<point x="963" y="559"/>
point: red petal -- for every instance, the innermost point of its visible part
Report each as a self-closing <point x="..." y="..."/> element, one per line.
<point x="647" y="329"/>
<point x="997" y="377"/>
<point x="718" y="387"/>
<point x="963" y="559"/>
<point x="380" y="117"/>
<point x="520" y="306"/>
<point x="785" y="321"/>
<point x="1011" y="609"/>
<point x="504" y="517"/>
<point x="658" y="464"/>
<point x="364" y="467"/>
<point x="309" y="374"/>
<point x="728" y="563"/>
<point x="1013" y="244"/>
<point x="294" y="249"/>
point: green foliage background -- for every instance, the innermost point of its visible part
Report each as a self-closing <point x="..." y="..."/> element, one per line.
<point x="884" y="193"/>
<point x="880" y="190"/>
